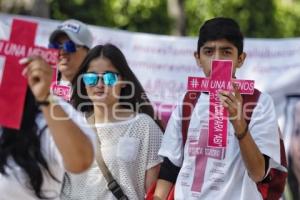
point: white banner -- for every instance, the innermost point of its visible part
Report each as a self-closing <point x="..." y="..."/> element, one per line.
<point x="163" y="63"/>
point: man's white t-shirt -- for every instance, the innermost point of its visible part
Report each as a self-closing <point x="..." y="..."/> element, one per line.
<point x="217" y="173"/>
<point x="15" y="185"/>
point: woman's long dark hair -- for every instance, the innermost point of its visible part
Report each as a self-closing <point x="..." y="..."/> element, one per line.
<point x="24" y="147"/>
<point x="139" y="100"/>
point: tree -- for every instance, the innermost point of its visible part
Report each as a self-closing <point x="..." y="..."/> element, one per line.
<point x="39" y="8"/>
<point x="288" y="18"/>
<point x="267" y="18"/>
<point x="176" y="12"/>
<point x="256" y="19"/>
<point x="135" y="15"/>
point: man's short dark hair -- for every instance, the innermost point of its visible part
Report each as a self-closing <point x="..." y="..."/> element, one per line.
<point x="221" y="28"/>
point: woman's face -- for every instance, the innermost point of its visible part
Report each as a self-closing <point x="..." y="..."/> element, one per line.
<point x="105" y="91"/>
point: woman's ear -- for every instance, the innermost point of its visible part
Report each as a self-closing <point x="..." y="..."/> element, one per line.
<point x="241" y="59"/>
<point x="197" y="58"/>
<point x="123" y="82"/>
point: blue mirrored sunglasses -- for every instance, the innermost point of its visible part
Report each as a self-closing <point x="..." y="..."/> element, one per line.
<point x="108" y="78"/>
<point x="68" y="46"/>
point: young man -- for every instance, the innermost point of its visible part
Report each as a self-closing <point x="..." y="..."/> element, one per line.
<point x="250" y="148"/>
<point x="74" y="39"/>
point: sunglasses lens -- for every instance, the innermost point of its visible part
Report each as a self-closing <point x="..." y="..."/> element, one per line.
<point x="69" y="46"/>
<point x="110" y="78"/>
<point x="53" y="46"/>
<point x="90" y="79"/>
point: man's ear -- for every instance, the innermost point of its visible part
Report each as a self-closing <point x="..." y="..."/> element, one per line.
<point x="197" y="58"/>
<point x="241" y="59"/>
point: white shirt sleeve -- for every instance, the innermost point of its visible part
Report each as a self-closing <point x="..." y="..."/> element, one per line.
<point x="264" y="128"/>
<point x="172" y="146"/>
<point x="79" y="120"/>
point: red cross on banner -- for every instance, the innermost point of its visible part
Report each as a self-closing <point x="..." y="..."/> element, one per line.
<point x="220" y="79"/>
<point x="13" y="85"/>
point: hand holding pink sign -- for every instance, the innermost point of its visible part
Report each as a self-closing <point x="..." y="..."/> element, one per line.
<point x="220" y="79"/>
<point x="39" y="76"/>
<point x="13" y="84"/>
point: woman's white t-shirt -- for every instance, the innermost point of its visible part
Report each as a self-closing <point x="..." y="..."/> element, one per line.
<point x="15" y="185"/>
<point x="129" y="149"/>
<point x="217" y="173"/>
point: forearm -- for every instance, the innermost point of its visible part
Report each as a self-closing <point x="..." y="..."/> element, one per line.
<point x="151" y="176"/>
<point x="251" y="155"/>
<point x="74" y="145"/>
<point x="166" y="179"/>
<point x="162" y="190"/>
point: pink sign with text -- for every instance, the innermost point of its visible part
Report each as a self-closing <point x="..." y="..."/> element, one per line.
<point x="220" y="79"/>
<point x="62" y="91"/>
<point x="13" y="85"/>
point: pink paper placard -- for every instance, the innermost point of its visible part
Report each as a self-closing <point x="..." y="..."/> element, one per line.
<point x="220" y="79"/>
<point x="13" y="85"/>
<point x="62" y="91"/>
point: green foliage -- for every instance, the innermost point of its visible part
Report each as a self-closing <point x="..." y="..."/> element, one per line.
<point x="288" y="18"/>
<point x="134" y="15"/>
<point x="255" y="18"/>
<point x="261" y="18"/>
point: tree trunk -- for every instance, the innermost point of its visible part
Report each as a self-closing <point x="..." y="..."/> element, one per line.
<point x="40" y="8"/>
<point x="176" y="12"/>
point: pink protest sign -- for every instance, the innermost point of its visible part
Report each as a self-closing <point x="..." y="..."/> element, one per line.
<point x="13" y="84"/>
<point x="220" y="79"/>
<point x="59" y="88"/>
<point x="63" y="91"/>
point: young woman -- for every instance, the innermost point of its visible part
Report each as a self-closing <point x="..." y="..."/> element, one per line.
<point x="109" y="94"/>
<point x="34" y="158"/>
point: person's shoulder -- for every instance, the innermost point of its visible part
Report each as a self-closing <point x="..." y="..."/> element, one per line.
<point x="265" y="97"/>
<point x="144" y="117"/>
<point x="145" y="120"/>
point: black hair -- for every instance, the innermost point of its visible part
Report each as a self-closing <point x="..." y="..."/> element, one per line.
<point x="24" y="147"/>
<point x="221" y="28"/>
<point x="138" y="100"/>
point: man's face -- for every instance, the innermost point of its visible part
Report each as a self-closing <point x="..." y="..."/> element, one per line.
<point x="69" y="63"/>
<point x="218" y="50"/>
